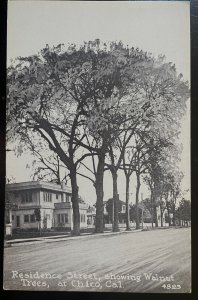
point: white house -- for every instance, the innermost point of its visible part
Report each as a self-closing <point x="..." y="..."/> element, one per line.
<point x="53" y="200"/>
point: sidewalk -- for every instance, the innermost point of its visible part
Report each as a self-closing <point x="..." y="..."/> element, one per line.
<point x="59" y="238"/>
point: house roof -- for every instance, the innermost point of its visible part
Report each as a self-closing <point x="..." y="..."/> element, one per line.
<point x="37" y="185"/>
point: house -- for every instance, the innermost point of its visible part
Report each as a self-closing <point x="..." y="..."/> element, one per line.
<point x="52" y="200"/>
<point x="91" y="215"/>
<point x="108" y="211"/>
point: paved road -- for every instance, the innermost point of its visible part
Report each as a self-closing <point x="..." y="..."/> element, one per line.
<point x="148" y="261"/>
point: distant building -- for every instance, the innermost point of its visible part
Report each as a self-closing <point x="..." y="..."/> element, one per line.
<point x="108" y="211"/>
<point x="91" y="215"/>
<point x="52" y="200"/>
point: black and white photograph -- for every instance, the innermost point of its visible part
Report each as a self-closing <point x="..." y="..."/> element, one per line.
<point x="98" y="176"/>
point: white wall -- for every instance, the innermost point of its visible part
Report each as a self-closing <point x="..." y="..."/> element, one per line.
<point x="23" y="225"/>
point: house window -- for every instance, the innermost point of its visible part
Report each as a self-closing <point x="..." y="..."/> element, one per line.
<point x="62" y="218"/>
<point x="67" y="197"/>
<point x="26" y="197"/>
<point x="32" y="218"/>
<point x="26" y="218"/>
<point x="56" y="196"/>
<point x="47" y="197"/>
<point x="82" y="218"/>
<point x="66" y="218"/>
<point x="12" y="217"/>
<point x="22" y="198"/>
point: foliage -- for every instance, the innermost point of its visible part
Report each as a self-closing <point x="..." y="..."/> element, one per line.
<point x="109" y="206"/>
<point x="10" y="180"/>
<point x="184" y="210"/>
<point x="133" y="213"/>
<point x="81" y="102"/>
<point x="148" y="205"/>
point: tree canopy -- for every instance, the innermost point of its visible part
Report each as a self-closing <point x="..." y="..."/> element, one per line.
<point x="82" y="101"/>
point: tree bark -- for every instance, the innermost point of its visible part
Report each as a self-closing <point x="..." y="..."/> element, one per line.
<point x="152" y="210"/>
<point x="127" y="204"/>
<point x="169" y="218"/>
<point x="39" y="227"/>
<point x="115" y="226"/>
<point x="99" y="228"/>
<point x="155" y="215"/>
<point x="137" y="201"/>
<point x="75" y="203"/>
<point x="115" y="201"/>
<point x="173" y="214"/>
<point x="168" y="210"/>
<point x="161" y="210"/>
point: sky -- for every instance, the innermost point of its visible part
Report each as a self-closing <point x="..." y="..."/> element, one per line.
<point x="156" y="27"/>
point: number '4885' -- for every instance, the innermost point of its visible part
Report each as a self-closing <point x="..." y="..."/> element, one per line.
<point x="171" y="286"/>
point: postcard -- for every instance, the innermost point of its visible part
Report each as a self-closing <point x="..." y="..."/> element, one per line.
<point x="98" y="191"/>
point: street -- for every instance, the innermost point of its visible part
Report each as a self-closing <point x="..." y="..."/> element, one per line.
<point x="156" y="261"/>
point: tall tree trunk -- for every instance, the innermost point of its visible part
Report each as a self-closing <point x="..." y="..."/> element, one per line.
<point x="152" y="210"/>
<point x="155" y="214"/>
<point x="127" y="204"/>
<point x="137" y="201"/>
<point x="169" y="219"/>
<point x="161" y="210"/>
<point x="173" y="214"/>
<point x="155" y="207"/>
<point x="115" y="201"/>
<point x="75" y="203"/>
<point x="99" y="228"/>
